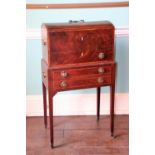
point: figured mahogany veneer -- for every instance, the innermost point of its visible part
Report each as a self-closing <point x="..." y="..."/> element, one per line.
<point x="77" y="55"/>
<point x="82" y="46"/>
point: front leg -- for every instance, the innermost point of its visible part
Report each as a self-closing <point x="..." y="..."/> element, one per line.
<point x="50" y="99"/>
<point x="112" y="93"/>
<point x="112" y="98"/>
<point x="98" y="102"/>
<point x="44" y="104"/>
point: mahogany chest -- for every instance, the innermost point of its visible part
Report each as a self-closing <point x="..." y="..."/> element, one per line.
<point x="77" y="55"/>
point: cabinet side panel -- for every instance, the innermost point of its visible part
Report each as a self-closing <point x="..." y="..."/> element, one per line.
<point x="44" y="43"/>
<point x="44" y="73"/>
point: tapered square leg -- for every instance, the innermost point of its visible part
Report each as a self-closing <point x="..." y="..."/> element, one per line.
<point x="112" y="92"/>
<point x="44" y="104"/>
<point x="98" y="102"/>
<point x="112" y="100"/>
<point x="50" y="99"/>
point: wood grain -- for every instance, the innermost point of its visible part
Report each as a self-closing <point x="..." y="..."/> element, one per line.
<point x="81" y="44"/>
<point x="74" y="43"/>
<point x="77" y="5"/>
<point x="76" y="137"/>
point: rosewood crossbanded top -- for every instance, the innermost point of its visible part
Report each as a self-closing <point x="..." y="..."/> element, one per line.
<point x="81" y="23"/>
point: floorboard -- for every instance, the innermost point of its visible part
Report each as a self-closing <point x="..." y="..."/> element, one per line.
<point x="78" y="135"/>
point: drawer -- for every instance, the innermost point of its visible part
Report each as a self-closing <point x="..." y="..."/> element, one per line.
<point x="70" y="47"/>
<point x="88" y="71"/>
<point x="82" y="82"/>
<point x="87" y="56"/>
<point x="81" y="78"/>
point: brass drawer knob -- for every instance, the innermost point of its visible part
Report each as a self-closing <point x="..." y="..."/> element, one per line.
<point x="100" y="80"/>
<point x="64" y="74"/>
<point x="82" y="38"/>
<point x="101" y="55"/>
<point x="101" y="70"/>
<point x="63" y="84"/>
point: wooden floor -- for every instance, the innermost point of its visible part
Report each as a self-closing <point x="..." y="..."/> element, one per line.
<point x="77" y="135"/>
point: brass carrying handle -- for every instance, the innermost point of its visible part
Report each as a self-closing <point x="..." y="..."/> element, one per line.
<point x="44" y="42"/>
<point x="44" y="75"/>
<point x="76" y="21"/>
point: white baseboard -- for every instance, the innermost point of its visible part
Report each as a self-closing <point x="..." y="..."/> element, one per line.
<point x="77" y="104"/>
<point x="35" y="33"/>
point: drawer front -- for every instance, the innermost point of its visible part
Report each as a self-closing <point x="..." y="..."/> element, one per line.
<point x="73" y="73"/>
<point x="81" y="78"/>
<point x="81" y="46"/>
<point x="82" y="82"/>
